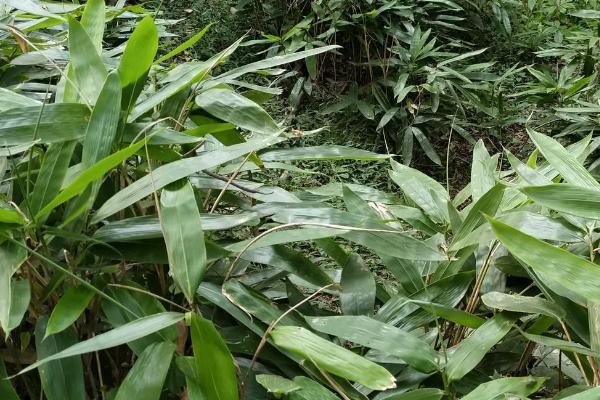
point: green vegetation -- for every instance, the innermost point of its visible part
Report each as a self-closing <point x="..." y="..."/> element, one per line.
<point x="348" y="200"/>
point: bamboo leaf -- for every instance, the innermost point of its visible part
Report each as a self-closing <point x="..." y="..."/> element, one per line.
<point x="146" y="378"/>
<point x="62" y="379"/>
<point x="516" y="386"/>
<point x="176" y="170"/>
<point x="374" y="334"/>
<point x="332" y="358"/>
<point x="137" y="60"/>
<point x="214" y="363"/>
<point x="231" y="107"/>
<point x="577" y="275"/>
<point x="116" y="337"/>
<point x="182" y="229"/>
<point x="68" y="309"/>
<point x="471" y="351"/>
<point x="93" y="173"/>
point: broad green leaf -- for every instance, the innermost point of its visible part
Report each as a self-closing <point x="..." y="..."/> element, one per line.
<point x="182" y="229"/>
<point x="310" y="390"/>
<point x="68" y="309"/>
<point x="332" y="358"/>
<point x="52" y="174"/>
<point x="11" y="258"/>
<point x="256" y="304"/>
<point x="231" y="107"/>
<point x="483" y="171"/>
<point x="32" y="7"/>
<point x="580" y="277"/>
<point x="50" y="123"/>
<point x="136" y="61"/>
<point x="471" y="351"/>
<point x="10" y="100"/>
<point x="185" y="45"/>
<point x="187" y="365"/>
<point x="374" y="334"/>
<point x="326" y="152"/>
<point x="146" y="378"/>
<point x="424" y="191"/>
<point x="291" y="261"/>
<point x="357" y="296"/>
<point x="516" y="386"/>
<point x="88" y="69"/>
<point x="571" y="199"/>
<point x="7" y="391"/>
<point x="448" y="291"/>
<point x="277" y="385"/>
<point x="426" y="145"/>
<point x="522" y="304"/>
<point x="563" y="161"/>
<point x="92" y="21"/>
<point x="62" y="379"/>
<point x="102" y="128"/>
<point x="8" y="215"/>
<point x="174" y="171"/>
<point x="214" y="363"/>
<point x="91" y="174"/>
<point x="195" y="72"/>
<point x="116" y="337"/>
<point x="487" y="204"/>
<point x="20" y="292"/>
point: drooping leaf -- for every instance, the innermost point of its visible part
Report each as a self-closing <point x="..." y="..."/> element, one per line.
<point x="88" y="176"/>
<point x="182" y="229"/>
<point x="52" y="174"/>
<point x="93" y="20"/>
<point x="578" y="276"/>
<point x="214" y="364"/>
<point x="174" y="171"/>
<point x="137" y="59"/>
<point x="118" y="336"/>
<point x="332" y="358"/>
<point x="523" y="304"/>
<point x="11" y="258"/>
<point x="7" y="391"/>
<point x="88" y="69"/>
<point x="68" y="309"/>
<point x="229" y="106"/>
<point x="563" y="161"/>
<point x="472" y="350"/>
<point x="20" y="292"/>
<point x="49" y="123"/>
<point x="516" y="386"/>
<point x="62" y="378"/>
<point x="371" y="333"/>
<point x="571" y="199"/>
<point x="277" y="385"/>
<point x="358" y="288"/>
<point x="146" y="378"/>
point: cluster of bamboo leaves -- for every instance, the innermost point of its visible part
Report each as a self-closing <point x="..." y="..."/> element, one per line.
<point x="145" y="254"/>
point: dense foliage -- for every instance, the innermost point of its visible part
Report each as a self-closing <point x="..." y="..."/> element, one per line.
<point x="150" y="249"/>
